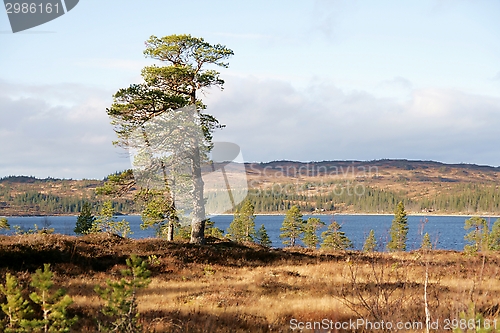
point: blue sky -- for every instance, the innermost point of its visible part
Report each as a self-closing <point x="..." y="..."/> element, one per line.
<point x="310" y="80"/>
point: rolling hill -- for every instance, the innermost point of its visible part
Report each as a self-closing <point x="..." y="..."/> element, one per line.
<point x="317" y="187"/>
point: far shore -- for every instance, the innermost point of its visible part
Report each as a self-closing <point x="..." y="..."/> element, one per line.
<point x="305" y="214"/>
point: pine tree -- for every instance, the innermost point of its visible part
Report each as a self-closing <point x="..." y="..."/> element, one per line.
<point x="399" y="230"/>
<point x="212" y="231"/>
<point x="426" y="242"/>
<point x="16" y="308"/>
<point x="53" y="304"/>
<point x="310" y="238"/>
<point x="243" y="226"/>
<point x="292" y="227"/>
<point x="85" y="220"/>
<point x="262" y="237"/>
<point x="334" y="239"/>
<point x="478" y="237"/>
<point x="106" y="222"/>
<point x="494" y="237"/>
<point x="121" y="296"/>
<point x="370" y="244"/>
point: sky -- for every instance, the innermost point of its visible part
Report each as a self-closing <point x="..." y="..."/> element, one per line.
<point x="309" y="80"/>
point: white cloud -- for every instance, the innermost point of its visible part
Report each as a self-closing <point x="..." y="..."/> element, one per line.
<point x="58" y="131"/>
<point x="63" y="131"/>
<point x="271" y="120"/>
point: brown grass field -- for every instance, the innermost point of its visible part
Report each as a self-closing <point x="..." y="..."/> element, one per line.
<point x="228" y="287"/>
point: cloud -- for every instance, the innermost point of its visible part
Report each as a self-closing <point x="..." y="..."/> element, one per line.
<point x="272" y="120"/>
<point x="497" y="77"/>
<point x="57" y="131"/>
<point x="398" y="82"/>
<point x="63" y="130"/>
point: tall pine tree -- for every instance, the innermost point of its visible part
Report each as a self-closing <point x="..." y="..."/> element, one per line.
<point x="399" y="230"/>
<point x="334" y="238"/>
<point x="243" y="226"/>
<point x="311" y="239"/>
<point x="494" y="237"/>
<point x="292" y="227"/>
<point x="478" y="237"/>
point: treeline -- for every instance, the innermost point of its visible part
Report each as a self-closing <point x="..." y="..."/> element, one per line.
<point x="357" y="197"/>
<point x="34" y="202"/>
<point x="460" y="198"/>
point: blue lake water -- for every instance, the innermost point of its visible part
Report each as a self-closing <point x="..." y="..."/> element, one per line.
<point x="447" y="232"/>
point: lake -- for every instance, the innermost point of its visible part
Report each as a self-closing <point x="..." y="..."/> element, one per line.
<point x="447" y="232"/>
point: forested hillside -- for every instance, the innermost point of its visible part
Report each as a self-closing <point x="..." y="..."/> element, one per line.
<point x="320" y="187"/>
<point x="20" y="195"/>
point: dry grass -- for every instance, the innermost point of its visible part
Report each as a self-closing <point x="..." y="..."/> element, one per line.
<point x="225" y="287"/>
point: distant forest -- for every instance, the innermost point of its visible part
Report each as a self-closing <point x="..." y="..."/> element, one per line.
<point x="462" y="198"/>
<point x="424" y="187"/>
<point x="20" y="195"/>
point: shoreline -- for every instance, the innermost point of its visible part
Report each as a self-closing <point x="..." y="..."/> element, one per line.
<point x="283" y="213"/>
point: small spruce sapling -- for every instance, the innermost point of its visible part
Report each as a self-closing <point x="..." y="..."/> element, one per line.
<point x="16" y="308"/>
<point x="53" y="304"/>
<point x="121" y="299"/>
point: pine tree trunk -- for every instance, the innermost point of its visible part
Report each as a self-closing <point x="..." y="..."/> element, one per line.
<point x="170" y="231"/>
<point x="198" y="221"/>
